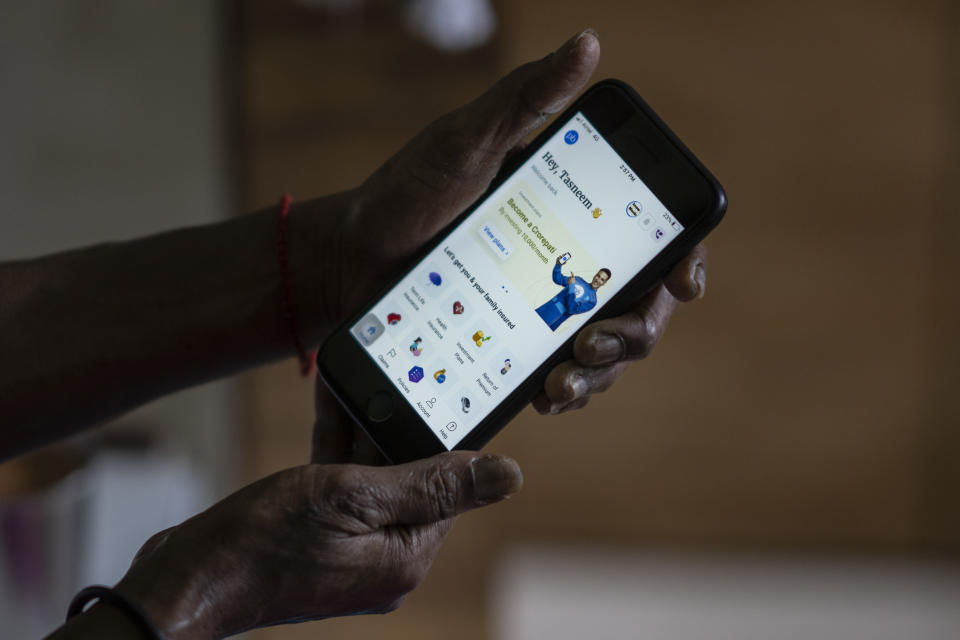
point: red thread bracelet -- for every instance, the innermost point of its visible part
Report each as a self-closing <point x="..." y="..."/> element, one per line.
<point x="289" y="315"/>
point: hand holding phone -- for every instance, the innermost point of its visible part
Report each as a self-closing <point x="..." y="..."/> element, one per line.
<point x="438" y="174"/>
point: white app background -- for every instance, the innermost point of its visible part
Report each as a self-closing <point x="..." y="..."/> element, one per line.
<point x="473" y="318"/>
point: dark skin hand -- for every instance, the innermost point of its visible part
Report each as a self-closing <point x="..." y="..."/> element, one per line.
<point x="438" y="175"/>
<point x="303" y="544"/>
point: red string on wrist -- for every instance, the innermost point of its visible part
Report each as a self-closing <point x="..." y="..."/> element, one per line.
<point x="289" y="313"/>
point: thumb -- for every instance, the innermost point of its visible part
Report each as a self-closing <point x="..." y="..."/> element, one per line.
<point x="441" y="487"/>
<point x="452" y="162"/>
<point x="520" y="102"/>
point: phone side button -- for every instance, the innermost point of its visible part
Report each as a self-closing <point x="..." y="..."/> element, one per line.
<point x="380" y="406"/>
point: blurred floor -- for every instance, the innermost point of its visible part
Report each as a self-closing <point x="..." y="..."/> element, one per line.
<point x="806" y="402"/>
<point x="570" y="593"/>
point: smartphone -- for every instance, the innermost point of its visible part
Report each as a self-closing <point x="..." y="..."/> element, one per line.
<point x="592" y="216"/>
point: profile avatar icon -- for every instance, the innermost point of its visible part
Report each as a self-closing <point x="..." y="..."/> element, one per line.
<point x="416" y="348"/>
<point x="506" y="367"/>
<point x="479" y="338"/>
<point x="440" y="376"/>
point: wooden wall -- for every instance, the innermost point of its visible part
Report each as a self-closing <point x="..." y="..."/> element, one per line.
<point x="808" y="402"/>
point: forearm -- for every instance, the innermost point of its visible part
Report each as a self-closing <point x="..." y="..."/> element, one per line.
<point x="88" y="334"/>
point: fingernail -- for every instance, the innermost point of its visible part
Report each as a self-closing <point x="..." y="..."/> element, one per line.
<point x="607" y="348"/>
<point x="578" y="385"/>
<point x="589" y="31"/>
<point x="495" y="477"/>
<point x="700" y="277"/>
<point x="571" y="43"/>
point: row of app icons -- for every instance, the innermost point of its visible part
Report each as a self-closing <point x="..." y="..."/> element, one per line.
<point x="440" y="376"/>
<point x="470" y="350"/>
<point x="370" y="328"/>
<point x="412" y="301"/>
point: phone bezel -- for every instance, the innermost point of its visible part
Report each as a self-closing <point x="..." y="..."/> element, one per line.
<point x="681" y="182"/>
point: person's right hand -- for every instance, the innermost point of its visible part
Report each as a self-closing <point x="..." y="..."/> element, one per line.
<point x="310" y="542"/>
<point x="379" y="226"/>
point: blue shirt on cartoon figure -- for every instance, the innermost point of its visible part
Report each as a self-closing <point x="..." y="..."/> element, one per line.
<point x="577" y="296"/>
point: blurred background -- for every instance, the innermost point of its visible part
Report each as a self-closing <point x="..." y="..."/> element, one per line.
<point x="785" y="464"/>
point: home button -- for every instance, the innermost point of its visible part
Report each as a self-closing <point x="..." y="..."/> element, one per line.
<point x="380" y="406"/>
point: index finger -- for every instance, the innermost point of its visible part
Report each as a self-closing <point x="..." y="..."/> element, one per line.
<point x="634" y="334"/>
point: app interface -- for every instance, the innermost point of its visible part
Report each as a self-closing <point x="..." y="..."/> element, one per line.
<point x="515" y="279"/>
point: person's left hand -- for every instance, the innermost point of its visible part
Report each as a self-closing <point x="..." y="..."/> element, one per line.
<point x="310" y="542"/>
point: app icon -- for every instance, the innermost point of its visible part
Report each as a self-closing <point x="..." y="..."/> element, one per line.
<point x="416" y="347"/>
<point x="596" y="213"/>
<point x="393" y="318"/>
<point x="368" y="329"/>
<point x="646" y="221"/>
<point x="415" y="374"/>
<point x="634" y="209"/>
<point x="479" y="338"/>
<point x="431" y="402"/>
<point x="570" y="137"/>
<point x="506" y="367"/>
<point x="392" y="353"/>
<point x="457" y="308"/>
<point x="451" y="426"/>
<point x="657" y="234"/>
<point x="440" y="376"/>
<point x="465" y="404"/>
<point x="435" y="278"/>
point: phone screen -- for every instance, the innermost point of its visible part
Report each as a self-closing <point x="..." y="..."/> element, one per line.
<point x="515" y="279"/>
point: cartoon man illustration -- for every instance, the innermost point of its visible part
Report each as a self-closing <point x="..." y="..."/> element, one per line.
<point x="577" y="296"/>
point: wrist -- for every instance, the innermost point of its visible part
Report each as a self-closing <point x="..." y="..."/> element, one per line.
<point x="100" y="621"/>
<point x="317" y="260"/>
<point x="171" y="588"/>
<point x="172" y="614"/>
